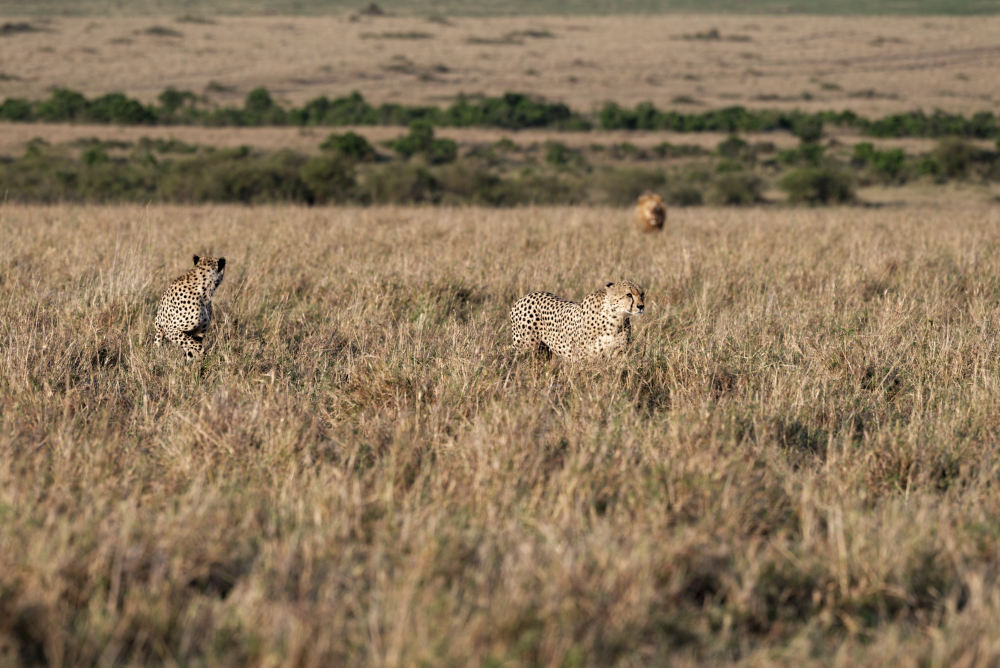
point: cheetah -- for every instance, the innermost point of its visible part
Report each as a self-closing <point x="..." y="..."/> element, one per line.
<point x="650" y="212"/>
<point x="598" y="325"/>
<point x="185" y="309"/>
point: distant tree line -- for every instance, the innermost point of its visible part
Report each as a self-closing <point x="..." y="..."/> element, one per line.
<point x="422" y="168"/>
<point x="511" y="111"/>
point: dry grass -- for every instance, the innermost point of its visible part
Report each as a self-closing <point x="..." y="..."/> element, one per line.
<point x="874" y="65"/>
<point x="797" y="461"/>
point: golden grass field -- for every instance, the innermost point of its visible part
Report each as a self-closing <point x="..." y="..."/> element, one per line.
<point x="873" y="65"/>
<point x="796" y="462"/>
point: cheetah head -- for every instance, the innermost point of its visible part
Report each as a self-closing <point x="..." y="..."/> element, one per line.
<point x="624" y="298"/>
<point x="214" y="268"/>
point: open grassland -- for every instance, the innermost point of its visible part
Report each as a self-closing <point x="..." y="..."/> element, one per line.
<point x="872" y="65"/>
<point x="795" y="462"/>
<point x="487" y="8"/>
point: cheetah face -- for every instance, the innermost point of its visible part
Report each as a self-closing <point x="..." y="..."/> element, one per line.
<point x="625" y="298"/>
<point x="214" y="267"/>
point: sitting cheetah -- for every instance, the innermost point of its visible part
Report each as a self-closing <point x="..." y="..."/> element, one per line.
<point x="597" y="325"/>
<point x="186" y="307"/>
<point x="650" y="212"/>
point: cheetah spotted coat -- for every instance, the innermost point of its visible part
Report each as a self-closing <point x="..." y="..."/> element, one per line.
<point x="185" y="309"/>
<point x="597" y="325"/>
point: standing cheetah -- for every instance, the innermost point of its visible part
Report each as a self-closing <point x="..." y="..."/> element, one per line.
<point x="650" y="212"/>
<point x="597" y="325"/>
<point x="185" y="309"/>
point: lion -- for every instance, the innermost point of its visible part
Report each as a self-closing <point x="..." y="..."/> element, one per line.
<point x="650" y="212"/>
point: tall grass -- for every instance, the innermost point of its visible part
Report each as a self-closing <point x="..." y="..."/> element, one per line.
<point x="795" y="462"/>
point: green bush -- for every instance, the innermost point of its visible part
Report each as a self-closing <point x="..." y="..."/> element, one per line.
<point x="349" y="145"/>
<point x="888" y="165"/>
<point x="809" y="129"/>
<point x="863" y="154"/>
<point x="94" y="155"/>
<point x="116" y="108"/>
<point x="328" y="179"/>
<point x="62" y="105"/>
<point x="260" y="109"/>
<point x="620" y="186"/>
<point x="398" y="183"/>
<point x="556" y="153"/>
<point x="955" y="157"/>
<point x="736" y="188"/>
<point x="685" y="195"/>
<point x="465" y="183"/>
<point x="172" y="99"/>
<point x="442" y="151"/>
<point x="15" y="109"/>
<point x="421" y="141"/>
<point x="928" y="166"/>
<point x="235" y="175"/>
<point x="818" y="185"/>
<point x="733" y="147"/>
<point x="803" y="154"/>
<point x="531" y="187"/>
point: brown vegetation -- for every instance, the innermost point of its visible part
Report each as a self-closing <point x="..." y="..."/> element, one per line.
<point x="874" y="66"/>
<point x="796" y="461"/>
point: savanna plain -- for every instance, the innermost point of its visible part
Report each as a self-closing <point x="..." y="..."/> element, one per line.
<point x="795" y="461"/>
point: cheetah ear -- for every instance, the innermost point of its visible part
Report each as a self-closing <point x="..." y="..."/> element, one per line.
<point x="196" y="258"/>
<point x="608" y="285"/>
<point x="222" y="264"/>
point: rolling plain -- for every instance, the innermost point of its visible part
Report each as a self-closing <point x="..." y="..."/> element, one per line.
<point x="796" y="462"/>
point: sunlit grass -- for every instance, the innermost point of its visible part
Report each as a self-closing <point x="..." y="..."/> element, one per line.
<point x="795" y="462"/>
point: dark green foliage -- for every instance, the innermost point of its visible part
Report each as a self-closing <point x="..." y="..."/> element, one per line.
<point x="818" y="185"/>
<point x="736" y="188"/>
<point x="809" y="129"/>
<point x="465" y="183"/>
<point x="626" y="151"/>
<point x="349" y="145"/>
<point x="235" y="175"/>
<point x="622" y="185"/>
<point x="63" y="105"/>
<point x="556" y="153"/>
<point x="668" y="150"/>
<point x="732" y="147"/>
<point x="15" y="109"/>
<point x="399" y="183"/>
<point x="804" y="154"/>
<point x="982" y="125"/>
<point x="514" y="111"/>
<point x="955" y="157"/>
<point x="118" y="109"/>
<point x="501" y="174"/>
<point x="328" y="179"/>
<point x="172" y="99"/>
<point x="421" y="141"/>
<point x="888" y="165"/>
<point x="510" y="110"/>
<point x="928" y="166"/>
<point x="442" y="151"/>
<point x="684" y="195"/>
<point x="810" y="153"/>
<point x="94" y="155"/>
<point x="864" y="154"/>
<point x="260" y="109"/>
<point x="165" y="145"/>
